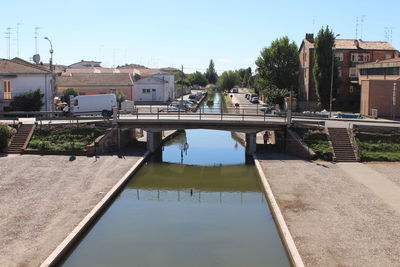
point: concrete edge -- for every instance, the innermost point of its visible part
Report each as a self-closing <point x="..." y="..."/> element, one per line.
<point x="287" y="240"/>
<point x="81" y="228"/>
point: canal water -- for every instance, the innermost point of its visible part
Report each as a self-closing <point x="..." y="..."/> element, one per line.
<point x="200" y="206"/>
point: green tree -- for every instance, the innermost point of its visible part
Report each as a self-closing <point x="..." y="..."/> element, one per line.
<point x="322" y="71"/>
<point x="211" y="74"/>
<point x="245" y="75"/>
<point x="228" y="80"/>
<point x="198" y="78"/>
<point x="278" y="64"/>
<point x="69" y="91"/>
<point x="121" y="97"/>
<point x="30" y="101"/>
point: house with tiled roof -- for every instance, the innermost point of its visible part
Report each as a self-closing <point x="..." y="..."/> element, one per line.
<point x="97" y="83"/>
<point x="349" y="54"/>
<point x="18" y="76"/>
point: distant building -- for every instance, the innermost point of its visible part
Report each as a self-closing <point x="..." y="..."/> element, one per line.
<point x="380" y="86"/>
<point x="85" y="64"/>
<point x="349" y="53"/>
<point x="97" y="83"/>
<point x="18" y="76"/>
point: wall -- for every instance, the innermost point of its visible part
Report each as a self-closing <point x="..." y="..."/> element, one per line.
<point x="100" y="90"/>
<point x="29" y="82"/>
<point x="377" y="94"/>
<point x="162" y="90"/>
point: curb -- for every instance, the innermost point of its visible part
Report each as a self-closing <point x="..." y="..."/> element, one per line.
<point x="287" y="239"/>
<point x="63" y="248"/>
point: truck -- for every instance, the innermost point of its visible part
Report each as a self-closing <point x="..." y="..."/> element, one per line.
<point x="92" y="105"/>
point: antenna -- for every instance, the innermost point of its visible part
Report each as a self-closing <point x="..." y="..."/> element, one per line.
<point x="362" y="26"/>
<point x="8" y="37"/>
<point x="18" y="38"/>
<point x="36" y="36"/>
<point x="388" y="34"/>
<point x="313" y="24"/>
<point x="356" y="28"/>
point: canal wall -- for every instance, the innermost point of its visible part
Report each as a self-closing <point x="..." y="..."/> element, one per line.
<point x="286" y="237"/>
<point x="58" y="254"/>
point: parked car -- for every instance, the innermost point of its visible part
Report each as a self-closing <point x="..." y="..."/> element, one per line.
<point x="255" y="100"/>
<point x="234" y="90"/>
<point x="251" y="96"/>
<point x="265" y="107"/>
<point x="172" y="109"/>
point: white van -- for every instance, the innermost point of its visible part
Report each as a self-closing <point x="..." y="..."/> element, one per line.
<point x="92" y="105"/>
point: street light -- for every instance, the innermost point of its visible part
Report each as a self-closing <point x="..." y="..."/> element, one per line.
<point x="333" y="63"/>
<point x="51" y="54"/>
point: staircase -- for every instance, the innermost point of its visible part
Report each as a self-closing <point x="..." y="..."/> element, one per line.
<point x="21" y="138"/>
<point x="343" y="149"/>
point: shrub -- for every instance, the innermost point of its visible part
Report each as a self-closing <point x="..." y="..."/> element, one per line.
<point x="68" y="92"/>
<point x="30" y="101"/>
<point x="4" y="136"/>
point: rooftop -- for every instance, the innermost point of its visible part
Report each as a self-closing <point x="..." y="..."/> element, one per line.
<point x="95" y="79"/>
<point x="18" y="65"/>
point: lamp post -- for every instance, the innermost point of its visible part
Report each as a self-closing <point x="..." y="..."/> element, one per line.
<point x="333" y="64"/>
<point x="52" y="75"/>
<point x="51" y="54"/>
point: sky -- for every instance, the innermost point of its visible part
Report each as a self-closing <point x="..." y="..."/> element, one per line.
<point x="177" y="33"/>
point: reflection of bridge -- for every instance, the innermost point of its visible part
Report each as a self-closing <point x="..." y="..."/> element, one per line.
<point x="155" y="124"/>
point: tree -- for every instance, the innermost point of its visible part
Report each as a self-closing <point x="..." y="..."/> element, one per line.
<point x="121" y="97"/>
<point x="4" y="136"/>
<point x="198" y="78"/>
<point x="322" y="71"/>
<point x="211" y="74"/>
<point x="278" y="64"/>
<point x="30" y="101"/>
<point x="69" y="91"/>
<point x="245" y="75"/>
<point x="228" y="79"/>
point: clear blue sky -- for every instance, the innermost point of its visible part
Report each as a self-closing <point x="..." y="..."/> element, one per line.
<point x="163" y="33"/>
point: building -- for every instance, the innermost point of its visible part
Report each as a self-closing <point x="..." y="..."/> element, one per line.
<point x="85" y="64"/>
<point x="97" y="83"/>
<point x="155" y="88"/>
<point x="380" y="88"/>
<point x="349" y="54"/>
<point x="18" y="76"/>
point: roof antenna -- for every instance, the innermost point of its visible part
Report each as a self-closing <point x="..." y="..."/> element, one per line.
<point x="356" y="28"/>
<point x="362" y="26"/>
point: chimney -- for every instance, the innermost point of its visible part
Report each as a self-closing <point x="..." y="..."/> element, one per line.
<point x="356" y="44"/>
<point x="310" y="37"/>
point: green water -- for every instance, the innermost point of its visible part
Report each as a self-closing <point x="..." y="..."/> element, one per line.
<point x="208" y="211"/>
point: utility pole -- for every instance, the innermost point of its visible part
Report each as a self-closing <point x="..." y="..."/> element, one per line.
<point x="183" y="76"/>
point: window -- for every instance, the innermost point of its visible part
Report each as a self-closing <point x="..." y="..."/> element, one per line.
<point x="75" y="102"/>
<point x="353" y="72"/>
<point x="351" y="89"/>
<point x="146" y="91"/>
<point x="339" y="56"/>
<point x="6" y="89"/>
<point x="153" y="90"/>
<point x="340" y="72"/>
<point x="360" y="57"/>
<point x="388" y="55"/>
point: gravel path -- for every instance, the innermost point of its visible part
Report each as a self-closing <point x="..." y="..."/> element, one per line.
<point x="334" y="220"/>
<point x="42" y="199"/>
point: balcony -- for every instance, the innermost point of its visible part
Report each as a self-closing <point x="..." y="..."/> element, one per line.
<point x="7" y="95"/>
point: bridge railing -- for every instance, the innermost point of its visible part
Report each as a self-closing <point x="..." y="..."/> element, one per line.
<point x="207" y="113"/>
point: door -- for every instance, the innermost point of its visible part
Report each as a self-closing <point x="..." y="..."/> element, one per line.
<point x="153" y="95"/>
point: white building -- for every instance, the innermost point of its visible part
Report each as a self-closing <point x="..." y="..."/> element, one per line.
<point x="85" y="64"/>
<point x="18" y="77"/>
<point x="155" y="88"/>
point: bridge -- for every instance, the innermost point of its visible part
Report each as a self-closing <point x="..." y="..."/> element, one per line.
<point x="155" y="123"/>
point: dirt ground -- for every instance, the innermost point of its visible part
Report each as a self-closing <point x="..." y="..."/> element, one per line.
<point x="334" y="219"/>
<point x="42" y="199"/>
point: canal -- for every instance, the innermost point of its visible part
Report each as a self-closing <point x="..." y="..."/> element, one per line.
<point x="200" y="206"/>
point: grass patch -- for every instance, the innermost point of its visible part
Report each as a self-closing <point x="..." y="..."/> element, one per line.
<point x="377" y="146"/>
<point x="63" y="138"/>
<point x="316" y="140"/>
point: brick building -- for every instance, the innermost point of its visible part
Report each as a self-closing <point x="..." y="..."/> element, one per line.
<point x="380" y="88"/>
<point x="349" y="53"/>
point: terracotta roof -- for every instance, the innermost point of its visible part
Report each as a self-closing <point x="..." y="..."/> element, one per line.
<point x="351" y="44"/>
<point x="29" y="64"/>
<point x="387" y="63"/>
<point x="95" y="79"/>
<point x="396" y="59"/>
<point x="11" y="66"/>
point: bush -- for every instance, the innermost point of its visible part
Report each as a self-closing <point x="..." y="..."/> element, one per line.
<point x="4" y="137"/>
<point x="375" y="146"/>
<point x="30" y="101"/>
<point x="67" y="92"/>
<point x="317" y="141"/>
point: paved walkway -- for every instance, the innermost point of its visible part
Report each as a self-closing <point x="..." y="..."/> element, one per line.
<point x="378" y="183"/>
<point x="338" y="214"/>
